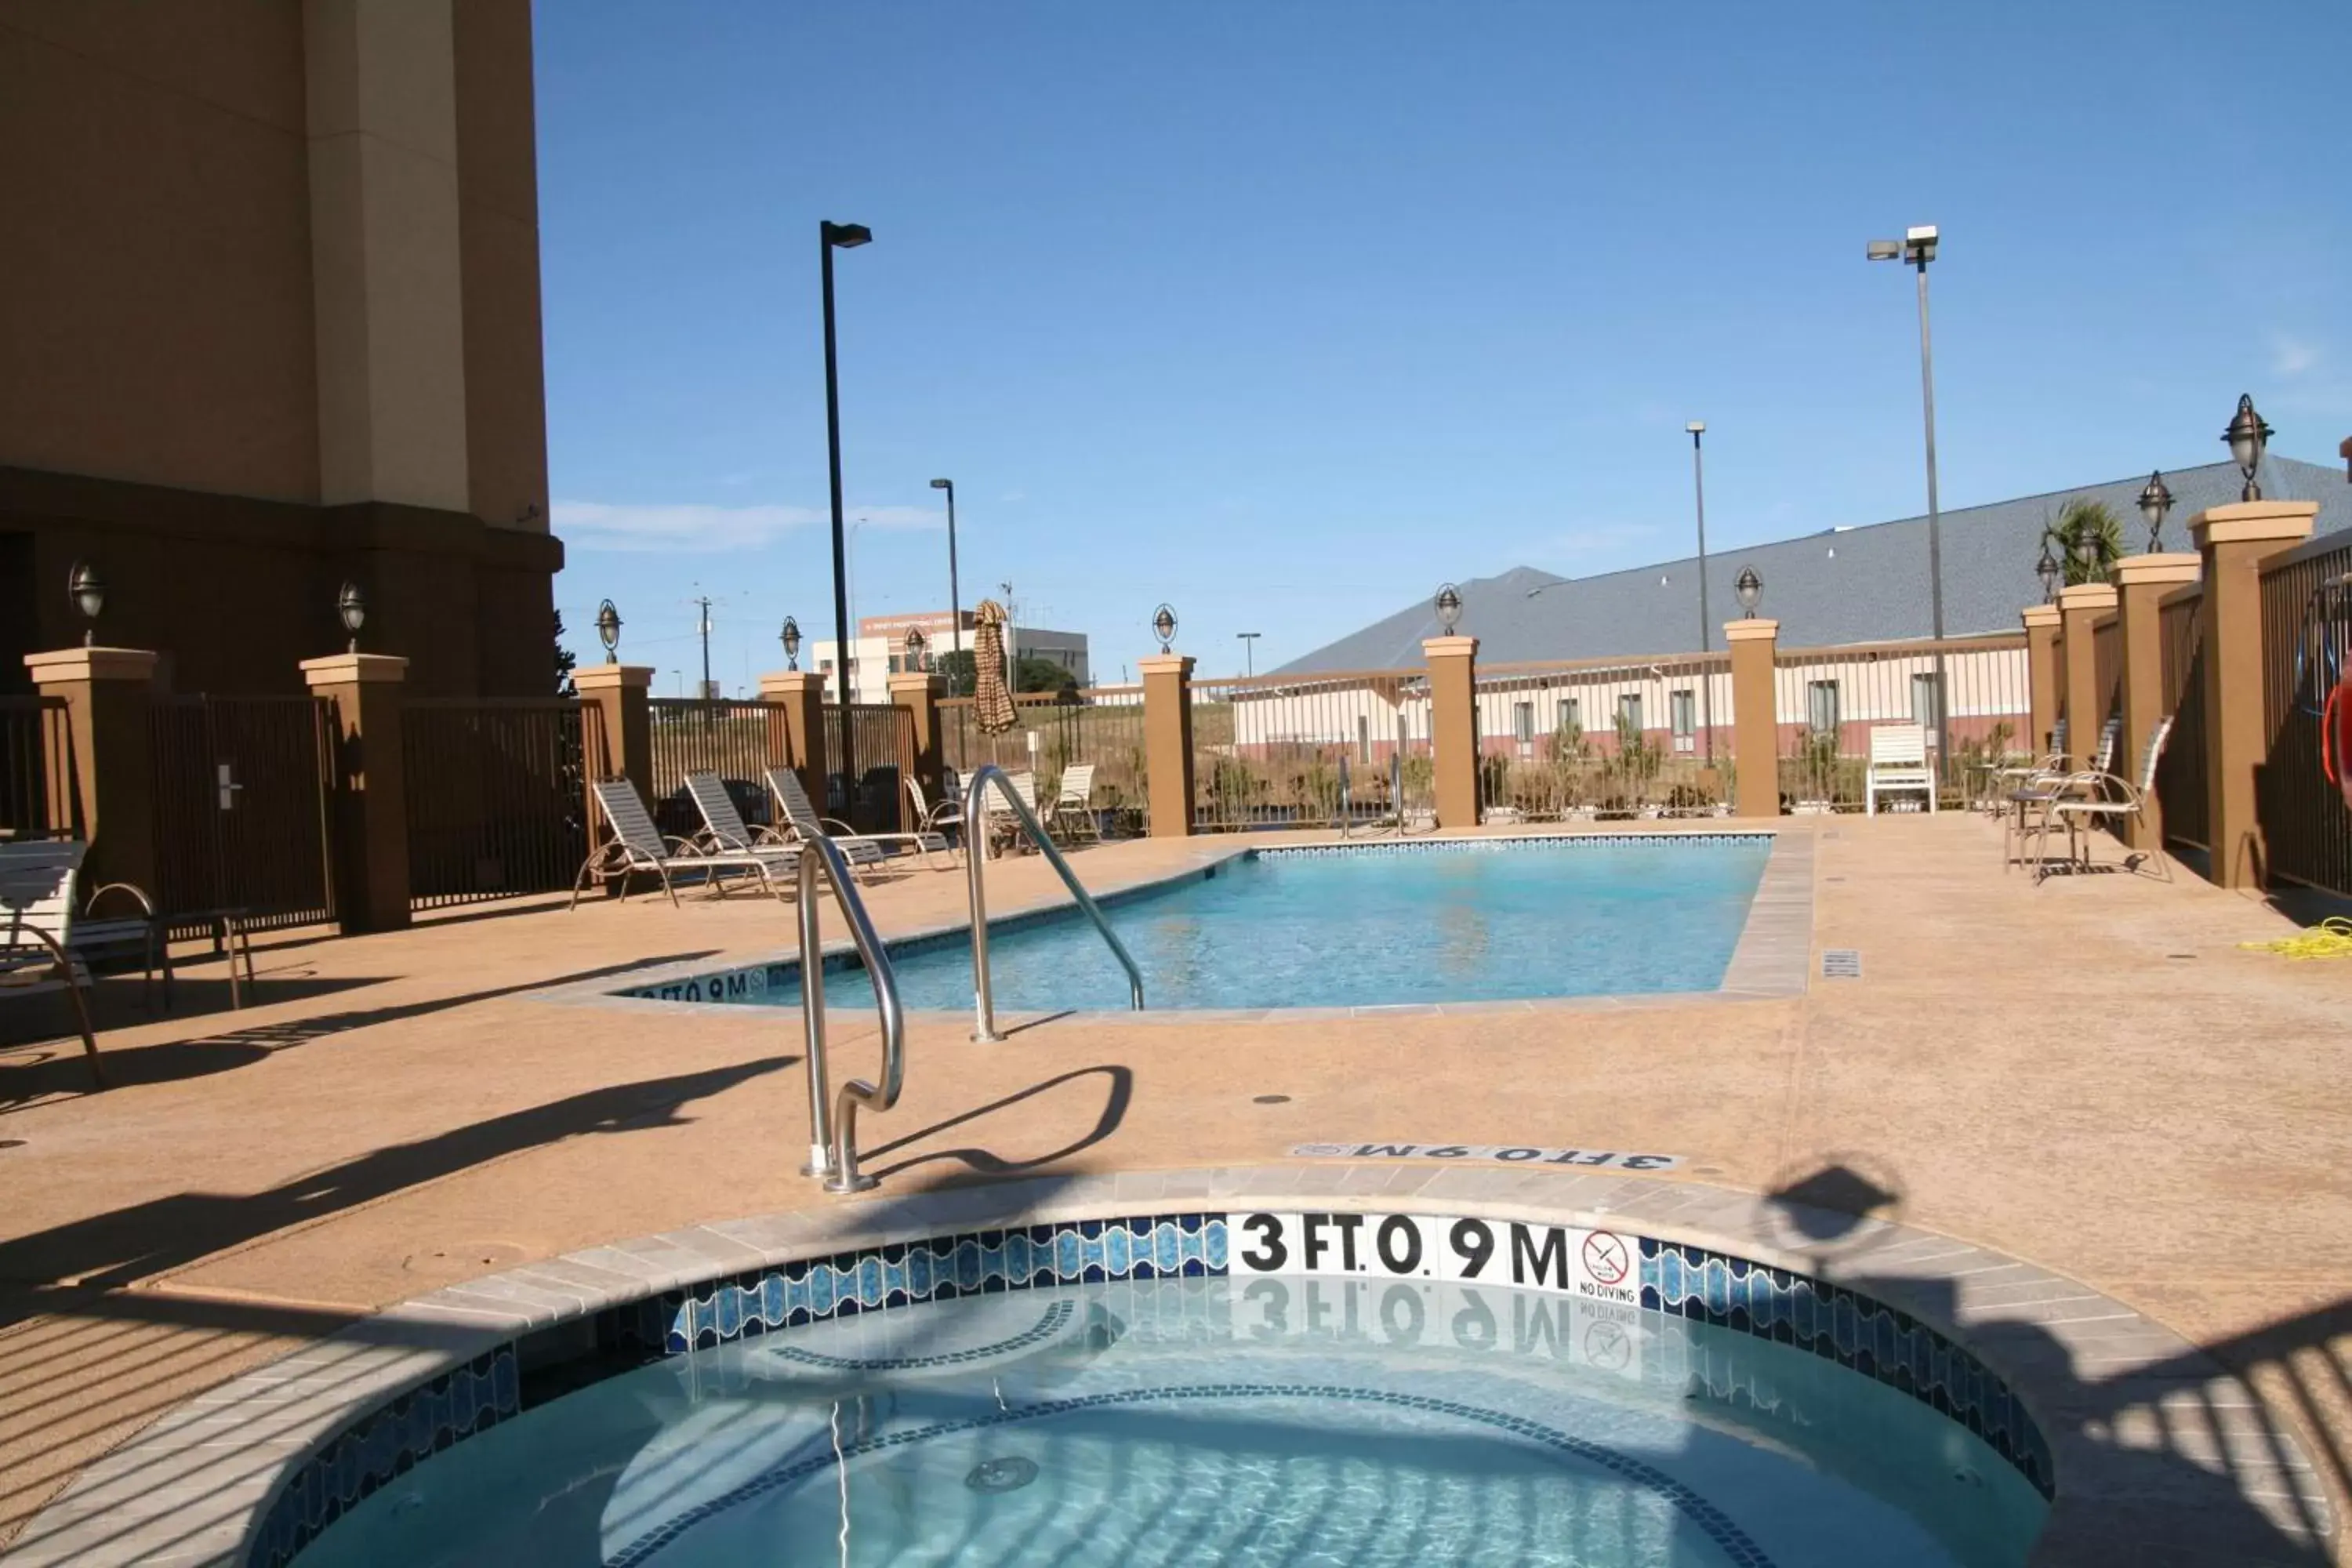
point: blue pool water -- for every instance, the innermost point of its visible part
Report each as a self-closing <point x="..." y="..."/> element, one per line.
<point x="1497" y="921"/>
<point x="1265" y="1422"/>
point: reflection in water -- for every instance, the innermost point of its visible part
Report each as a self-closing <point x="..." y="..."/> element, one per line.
<point x="1269" y="1420"/>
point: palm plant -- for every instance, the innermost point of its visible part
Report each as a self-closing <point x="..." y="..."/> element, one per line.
<point x="2086" y="539"/>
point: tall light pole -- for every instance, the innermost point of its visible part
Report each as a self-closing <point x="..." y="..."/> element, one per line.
<point x="1918" y="246"/>
<point x="955" y="600"/>
<point x="846" y="236"/>
<point x="1698" y="428"/>
<point x="1249" y="651"/>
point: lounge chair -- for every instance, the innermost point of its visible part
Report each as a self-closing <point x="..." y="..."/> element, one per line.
<point x="1898" y="765"/>
<point x="864" y="851"/>
<point x="636" y="845"/>
<point x="723" y="827"/>
<point x="1073" y="807"/>
<point x="2110" y="798"/>
<point x="36" y="888"/>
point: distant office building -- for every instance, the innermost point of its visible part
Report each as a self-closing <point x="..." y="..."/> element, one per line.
<point x="879" y="651"/>
<point x="270" y="319"/>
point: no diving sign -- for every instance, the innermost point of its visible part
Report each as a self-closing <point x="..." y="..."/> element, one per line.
<point x="1598" y="1264"/>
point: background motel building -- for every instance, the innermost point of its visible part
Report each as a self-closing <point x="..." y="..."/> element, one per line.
<point x="879" y="651"/>
<point x="1623" y="647"/>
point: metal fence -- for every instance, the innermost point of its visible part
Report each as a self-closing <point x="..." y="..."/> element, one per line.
<point x="737" y="741"/>
<point x="497" y="795"/>
<point x="242" y="787"/>
<point x="2106" y="675"/>
<point x="1270" y="752"/>
<point x="1057" y="731"/>
<point x="2306" y="651"/>
<point x="1646" y="737"/>
<point x="35" y="769"/>
<point x="1827" y="701"/>
<point x="2181" y="771"/>
<point x="884" y="738"/>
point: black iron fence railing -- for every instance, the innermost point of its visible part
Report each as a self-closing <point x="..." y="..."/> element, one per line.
<point x="497" y="795"/>
<point x="1268" y="750"/>
<point x="1100" y="725"/>
<point x="737" y="741"/>
<point x="882" y="736"/>
<point x="2180" y="772"/>
<point x="37" y="785"/>
<point x="2306" y="653"/>
<point x="1622" y="738"/>
<point x="1827" y="701"/>
<point x="242" y="788"/>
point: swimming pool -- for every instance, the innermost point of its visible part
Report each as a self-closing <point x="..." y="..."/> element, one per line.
<point x="1254" y="1419"/>
<point x="1347" y="926"/>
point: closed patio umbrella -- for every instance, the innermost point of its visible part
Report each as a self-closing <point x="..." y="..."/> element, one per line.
<point x="991" y="703"/>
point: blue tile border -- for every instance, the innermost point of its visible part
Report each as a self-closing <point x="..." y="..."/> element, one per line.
<point x="1486" y="843"/>
<point x="1684" y="1280"/>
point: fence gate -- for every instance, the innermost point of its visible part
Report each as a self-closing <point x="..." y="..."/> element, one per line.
<point x="241" y="808"/>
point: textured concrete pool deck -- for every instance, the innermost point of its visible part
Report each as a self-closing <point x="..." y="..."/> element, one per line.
<point x="2088" y="1075"/>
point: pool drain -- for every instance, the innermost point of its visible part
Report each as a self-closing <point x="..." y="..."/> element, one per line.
<point x="1007" y="1475"/>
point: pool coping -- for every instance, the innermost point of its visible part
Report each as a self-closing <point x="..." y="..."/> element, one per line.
<point x="2106" y="1386"/>
<point x="1770" y="961"/>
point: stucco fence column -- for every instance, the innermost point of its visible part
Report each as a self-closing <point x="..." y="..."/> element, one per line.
<point x="1453" y="728"/>
<point x="2141" y="584"/>
<point x="1754" y="718"/>
<point x="2041" y="675"/>
<point x="2233" y="542"/>
<point x="1168" y="742"/>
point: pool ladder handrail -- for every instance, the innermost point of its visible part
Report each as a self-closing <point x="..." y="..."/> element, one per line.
<point x="833" y="1130"/>
<point x="975" y="856"/>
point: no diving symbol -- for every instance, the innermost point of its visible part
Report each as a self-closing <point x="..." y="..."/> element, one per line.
<point x="1605" y="1258"/>
<point x="1607" y="1346"/>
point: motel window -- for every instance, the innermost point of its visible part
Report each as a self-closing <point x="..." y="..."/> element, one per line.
<point x="1822" y="707"/>
<point x="1923" y="706"/>
<point x="1572" y="715"/>
<point x="1523" y="721"/>
<point x="1682" y="712"/>
<point x="1629" y="710"/>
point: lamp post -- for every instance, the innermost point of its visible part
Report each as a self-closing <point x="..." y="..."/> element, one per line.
<point x="955" y="599"/>
<point x="1163" y="626"/>
<point x="351" y="605"/>
<point x="1249" y="651"/>
<point x="2247" y="435"/>
<point x="791" y="637"/>
<point x="2049" y="571"/>
<point x="1697" y="428"/>
<point x="1448" y="604"/>
<point x="915" y="650"/>
<point x="830" y="237"/>
<point x="1918" y="246"/>
<point x="2154" y="501"/>
<point x="608" y="631"/>
<point x="87" y="589"/>
<point x="1750" y="590"/>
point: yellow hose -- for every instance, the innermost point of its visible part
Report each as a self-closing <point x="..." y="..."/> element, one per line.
<point x="2331" y="938"/>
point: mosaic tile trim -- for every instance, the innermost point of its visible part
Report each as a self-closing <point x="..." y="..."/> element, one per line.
<point x="389" y="1443"/>
<point x="1735" y="1543"/>
<point x="1687" y="1282"/>
<point x="1055" y="1319"/>
<point x="1490" y="844"/>
<point x="1852" y="1329"/>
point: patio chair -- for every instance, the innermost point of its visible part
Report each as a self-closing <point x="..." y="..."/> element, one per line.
<point x="1898" y="765"/>
<point x="637" y="845"/>
<point x="36" y="956"/>
<point x="2112" y="799"/>
<point x="864" y="851"/>
<point x="723" y="827"/>
<point x="1073" y="808"/>
<point x="2042" y="788"/>
<point x="1004" y="827"/>
<point x="936" y="817"/>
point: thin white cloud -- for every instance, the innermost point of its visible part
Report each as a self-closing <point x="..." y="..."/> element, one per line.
<point x="695" y="526"/>
<point x="2292" y="356"/>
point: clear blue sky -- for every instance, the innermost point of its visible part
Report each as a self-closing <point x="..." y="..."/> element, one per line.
<point x="1284" y="313"/>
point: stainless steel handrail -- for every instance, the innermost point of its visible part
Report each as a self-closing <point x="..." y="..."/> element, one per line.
<point x="975" y="856"/>
<point x="833" y="1130"/>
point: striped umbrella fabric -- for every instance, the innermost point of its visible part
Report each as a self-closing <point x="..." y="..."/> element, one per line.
<point x="991" y="703"/>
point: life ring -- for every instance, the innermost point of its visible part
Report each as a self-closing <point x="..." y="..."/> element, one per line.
<point x="2335" y="739"/>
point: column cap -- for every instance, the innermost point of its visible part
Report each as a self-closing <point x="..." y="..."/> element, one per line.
<point x="1165" y="664"/>
<point x="2246" y="520"/>
<point x="2085" y="596"/>
<point x="1455" y="646"/>
<point x="1750" y="630"/>
<point x="2169" y="567"/>
<point x="612" y="677"/>
<point x="91" y="664"/>
<point x="354" y="669"/>
<point x="908" y="681"/>
<point x="2039" y="616"/>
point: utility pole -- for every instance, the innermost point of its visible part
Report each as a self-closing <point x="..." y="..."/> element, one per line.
<point x="1249" y="651"/>
<point x="703" y="604"/>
